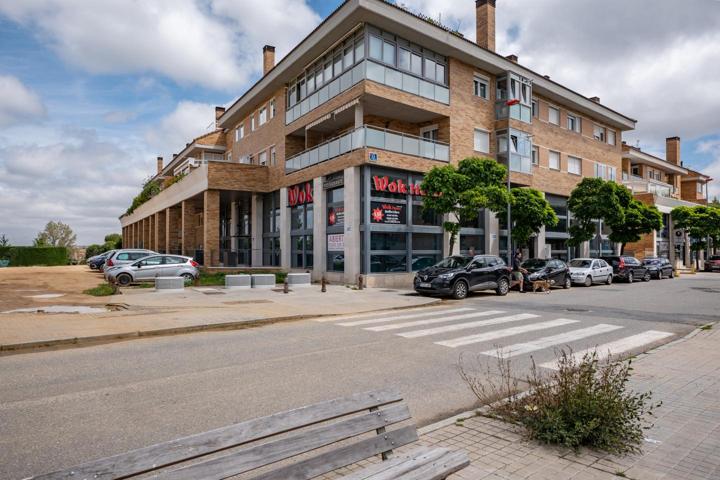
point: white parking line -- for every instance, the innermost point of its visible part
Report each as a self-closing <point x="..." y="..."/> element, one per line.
<point x="402" y="317"/>
<point x="374" y="314"/>
<point x="431" y="321"/>
<point x="613" y="348"/>
<point x="463" y="326"/>
<point x="545" y="342"/>
<point x="484" y="337"/>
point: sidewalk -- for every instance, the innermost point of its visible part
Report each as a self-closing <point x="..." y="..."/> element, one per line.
<point x="145" y="312"/>
<point x="684" y="442"/>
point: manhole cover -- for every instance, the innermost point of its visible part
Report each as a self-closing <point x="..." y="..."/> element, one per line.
<point x="577" y="310"/>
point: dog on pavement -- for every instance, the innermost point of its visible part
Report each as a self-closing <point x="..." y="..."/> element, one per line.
<point x="542" y="285"/>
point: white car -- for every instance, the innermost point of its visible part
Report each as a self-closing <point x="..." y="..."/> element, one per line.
<point x="590" y="270"/>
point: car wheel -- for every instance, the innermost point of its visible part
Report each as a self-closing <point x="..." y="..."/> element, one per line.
<point x="588" y="281"/>
<point x="568" y="283"/>
<point x="630" y="278"/>
<point x="503" y="287"/>
<point x="609" y="280"/>
<point x="189" y="277"/>
<point x="123" y="279"/>
<point x="646" y="277"/>
<point x="460" y="290"/>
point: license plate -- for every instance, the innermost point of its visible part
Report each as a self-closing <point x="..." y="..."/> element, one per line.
<point x="425" y="285"/>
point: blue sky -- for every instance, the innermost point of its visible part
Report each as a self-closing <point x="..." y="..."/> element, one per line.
<point x="90" y="94"/>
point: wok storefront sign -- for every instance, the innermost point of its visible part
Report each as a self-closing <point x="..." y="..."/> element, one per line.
<point x="300" y="194"/>
<point x="396" y="185"/>
<point x="388" y="213"/>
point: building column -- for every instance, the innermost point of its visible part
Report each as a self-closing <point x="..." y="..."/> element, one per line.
<point x="233" y="225"/>
<point x="492" y="233"/>
<point x="187" y="241"/>
<point x="353" y="211"/>
<point x="256" y="219"/>
<point x="359" y="114"/>
<point x="584" y="249"/>
<point x="132" y="236"/>
<point x="173" y="229"/>
<point x="146" y="233"/>
<point x="284" y="230"/>
<point x="687" y="260"/>
<point x="161" y="231"/>
<point x="211" y="227"/>
<point x="671" y="241"/>
<point x="319" y="230"/>
<point x="540" y="246"/>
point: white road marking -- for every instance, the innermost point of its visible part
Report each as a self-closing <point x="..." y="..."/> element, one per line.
<point x="375" y="313"/>
<point x="431" y="321"/>
<point x="613" y="348"/>
<point x="463" y="326"/>
<point x="484" y="337"/>
<point x="402" y="317"/>
<point x="545" y="342"/>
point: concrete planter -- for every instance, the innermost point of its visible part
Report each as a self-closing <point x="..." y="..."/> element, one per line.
<point x="266" y="280"/>
<point x="238" y="282"/>
<point x="296" y="280"/>
<point x="169" y="284"/>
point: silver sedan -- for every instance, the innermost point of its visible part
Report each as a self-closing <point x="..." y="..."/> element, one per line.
<point x="147" y="269"/>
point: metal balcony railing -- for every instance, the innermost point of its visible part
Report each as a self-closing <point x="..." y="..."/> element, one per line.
<point x="370" y="137"/>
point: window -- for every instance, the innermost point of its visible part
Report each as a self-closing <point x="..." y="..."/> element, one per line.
<point x="416" y="64"/>
<point x="554" y="160"/>
<point x="480" y="87"/>
<point x="599" y="133"/>
<point x="251" y="160"/>
<point x="273" y="156"/>
<point x="536" y="155"/>
<point x="482" y="141"/>
<point x="573" y="123"/>
<point x="430" y="133"/>
<point x="262" y="158"/>
<point x="700" y="188"/>
<point x="272" y="108"/>
<point x="611" y="137"/>
<point x="263" y="116"/>
<point x="388" y="54"/>
<point x="635" y="170"/>
<point x="239" y="132"/>
<point x="375" y="48"/>
<point x="404" y="59"/>
<point x="554" y="115"/>
<point x="252" y="123"/>
<point x="429" y="69"/>
<point x="535" y="109"/>
<point x="574" y="165"/>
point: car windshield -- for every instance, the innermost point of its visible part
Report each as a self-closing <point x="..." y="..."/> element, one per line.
<point x="534" y="263"/>
<point x="453" y="262"/>
<point x="580" y="263"/>
<point x="651" y="261"/>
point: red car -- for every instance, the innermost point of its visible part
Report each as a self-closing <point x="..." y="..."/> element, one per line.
<point x="712" y="263"/>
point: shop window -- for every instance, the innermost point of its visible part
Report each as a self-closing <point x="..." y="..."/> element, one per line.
<point x="426" y="241"/>
<point x="388" y="241"/>
<point x="472" y="243"/>
<point x="388" y="263"/>
<point x="335" y="239"/>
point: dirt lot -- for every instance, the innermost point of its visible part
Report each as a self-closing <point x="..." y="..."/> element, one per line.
<point x="20" y="286"/>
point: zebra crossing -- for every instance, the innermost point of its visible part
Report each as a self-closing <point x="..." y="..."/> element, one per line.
<point x="458" y="327"/>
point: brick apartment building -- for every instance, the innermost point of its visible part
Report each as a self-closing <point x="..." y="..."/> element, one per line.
<point x="317" y="166"/>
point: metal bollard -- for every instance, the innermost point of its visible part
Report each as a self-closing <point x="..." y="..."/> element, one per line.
<point x="360" y="282"/>
<point x="286" y="287"/>
<point x="323" y="284"/>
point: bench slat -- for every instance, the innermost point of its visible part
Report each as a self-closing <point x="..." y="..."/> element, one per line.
<point x="344" y="456"/>
<point x="435" y="464"/>
<point x="369" y="472"/>
<point x="258" y="456"/>
<point x="440" y="469"/>
<point x="169" y="453"/>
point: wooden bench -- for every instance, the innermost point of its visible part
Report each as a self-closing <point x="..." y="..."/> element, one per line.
<point x="326" y="436"/>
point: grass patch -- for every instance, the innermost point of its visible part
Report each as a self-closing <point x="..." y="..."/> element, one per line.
<point x="102" y="290"/>
<point x="218" y="278"/>
<point x="709" y="326"/>
<point x="585" y="403"/>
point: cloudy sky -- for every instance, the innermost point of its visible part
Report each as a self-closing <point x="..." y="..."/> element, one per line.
<point x="92" y="91"/>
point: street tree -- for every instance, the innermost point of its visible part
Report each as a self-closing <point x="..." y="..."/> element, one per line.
<point x="530" y="211"/>
<point x="4" y="241"/>
<point x="113" y="241"/>
<point x="55" y="234"/>
<point x="701" y="223"/>
<point x="638" y="219"/>
<point x="592" y="199"/>
<point x="461" y="192"/>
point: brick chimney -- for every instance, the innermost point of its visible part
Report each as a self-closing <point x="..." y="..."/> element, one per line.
<point x="268" y="58"/>
<point x="485" y="23"/>
<point x="159" y="165"/>
<point x="672" y="150"/>
<point x="219" y="111"/>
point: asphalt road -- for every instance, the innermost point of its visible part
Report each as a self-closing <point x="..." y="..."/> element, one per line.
<point x="64" y="407"/>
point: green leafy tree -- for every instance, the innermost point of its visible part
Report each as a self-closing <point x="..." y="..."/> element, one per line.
<point x="461" y="192"/>
<point x="114" y="240"/>
<point x="150" y="189"/>
<point x="593" y="199"/>
<point x="638" y="218"/>
<point x="530" y="211"/>
<point x="4" y="241"/>
<point x="93" y="250"/>
<point x="701" y="222"/>
<point x="56" y="234"/>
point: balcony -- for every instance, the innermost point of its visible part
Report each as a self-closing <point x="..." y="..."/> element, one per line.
<point x="644" y="185"/>
<point x="369" y="137"/>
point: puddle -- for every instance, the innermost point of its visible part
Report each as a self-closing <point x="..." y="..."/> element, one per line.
<point x="59" y="309"/>
<point x="46" y="295"/>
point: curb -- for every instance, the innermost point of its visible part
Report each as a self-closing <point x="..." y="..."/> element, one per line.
<point x="483" y="408"/>
<point x="78" y="342"/>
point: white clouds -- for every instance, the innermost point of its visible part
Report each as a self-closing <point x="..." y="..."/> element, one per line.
<point x="216" y="44"/>
<point x="17" y="102"/>
<point x="187" y="121"/>
<point x="120" y="116"/>
<point x="711" y="148"/>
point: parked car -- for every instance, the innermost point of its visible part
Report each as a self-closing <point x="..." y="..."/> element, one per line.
<point x="96" y="262"/>
<point x="547" y="269"/>
<point x="712" y="263"/>
<point x="459" y="275"/>
<point x="628" y="268"/>
<point x="659" y="267"/>
<point x="148" y="268"/>
<point x="125" y="256"/>
<point x="587" y="271"/>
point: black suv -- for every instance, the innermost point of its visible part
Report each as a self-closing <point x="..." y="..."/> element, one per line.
<point x="659" y="267"/>
<point x="547" y="269"/>
<point x="628" y="268"/>
<point x="458" y="275"/>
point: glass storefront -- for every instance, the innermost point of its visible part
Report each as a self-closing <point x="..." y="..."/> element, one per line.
<point x="335" y="226"/>
<point x="300" y="202"/>
<point x="398" y="236"/>
<point x="556" y="237"/>
<point x="271" y="229"/>
<point x="472" y="236"/>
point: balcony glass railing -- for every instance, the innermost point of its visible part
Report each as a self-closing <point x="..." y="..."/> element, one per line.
<point x="369" y="137"/>
<point x="644" y="185"/>
<point x="376" y="72"/>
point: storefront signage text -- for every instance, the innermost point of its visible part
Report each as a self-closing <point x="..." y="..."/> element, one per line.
<point x="387" y="213"/>
<point x="300" y="194"/>
<point x="336" y="216"/>
<point x="385" y="184"/>
<point x="336" y="242"/>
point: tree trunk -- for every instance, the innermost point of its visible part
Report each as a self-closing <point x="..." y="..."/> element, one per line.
<point x="452" y="243"/>
<point x="622" y="248"/>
